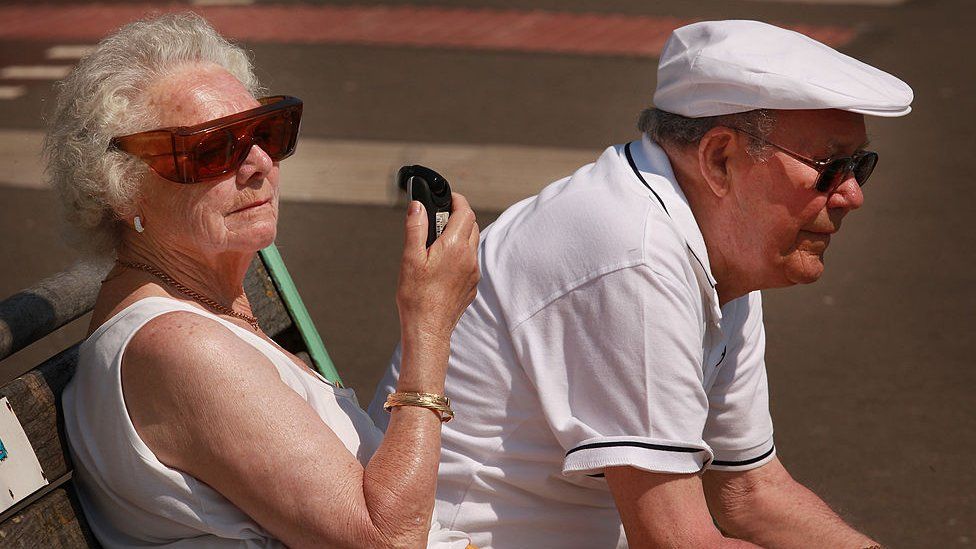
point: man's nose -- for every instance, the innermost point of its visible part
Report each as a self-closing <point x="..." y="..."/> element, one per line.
<point x="847" y="195"/>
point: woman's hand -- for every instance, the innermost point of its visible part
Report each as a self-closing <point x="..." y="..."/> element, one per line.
<point x="438" y="283"/>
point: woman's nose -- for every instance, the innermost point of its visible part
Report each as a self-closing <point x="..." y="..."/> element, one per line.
<point x="257" y="165"/>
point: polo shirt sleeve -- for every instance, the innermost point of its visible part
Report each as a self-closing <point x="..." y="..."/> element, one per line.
<point x="739" y="429"/>
<point x="616" y="364"/>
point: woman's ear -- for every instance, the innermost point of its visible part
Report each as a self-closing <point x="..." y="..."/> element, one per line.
<point x="715" y="152"/>
<point x="128" y="212"/>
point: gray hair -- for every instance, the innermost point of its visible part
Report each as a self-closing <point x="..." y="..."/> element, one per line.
<point x="666" y="128"/>
<point x="103" y="97"/>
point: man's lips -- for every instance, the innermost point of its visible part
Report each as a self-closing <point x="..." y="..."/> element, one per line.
<point x="254" y="204"/>
<point x="814" y="241"/>
<point x="823" y="236"/>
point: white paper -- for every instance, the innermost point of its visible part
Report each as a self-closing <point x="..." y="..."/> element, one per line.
<point x="20" y="472"/>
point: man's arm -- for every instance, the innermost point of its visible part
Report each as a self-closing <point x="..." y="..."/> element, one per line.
<point x="767" y="507"/>
<point x="664" y="510"/>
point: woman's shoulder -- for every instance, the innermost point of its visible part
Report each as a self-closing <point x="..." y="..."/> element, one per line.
<point x="137" y="312"/>
<point x="182" y="366"/>
<point x="180" y="334"/>
<point x="117" y="303"/>
<point x="165" y="340"/>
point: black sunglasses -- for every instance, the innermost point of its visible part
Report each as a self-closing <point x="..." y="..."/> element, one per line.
<point x="832" y="171"/>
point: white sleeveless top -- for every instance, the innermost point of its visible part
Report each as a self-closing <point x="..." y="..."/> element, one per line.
<point x="130" y="498"/>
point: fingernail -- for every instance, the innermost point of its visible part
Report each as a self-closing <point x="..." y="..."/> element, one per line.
<point x="414" y="208"/>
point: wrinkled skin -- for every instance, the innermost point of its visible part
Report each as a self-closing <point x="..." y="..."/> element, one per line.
<point x="765" y="224"/>
<point x="194" y="231"/>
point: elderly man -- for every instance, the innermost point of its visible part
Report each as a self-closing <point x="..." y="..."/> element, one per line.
<point x="610" y="378"/>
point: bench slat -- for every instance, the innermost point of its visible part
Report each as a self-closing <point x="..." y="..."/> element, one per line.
<point x="265" y="302"/>
<point x="36" y="400"/>
<point x="54" y="521"/>
<point x="30" y="315"/>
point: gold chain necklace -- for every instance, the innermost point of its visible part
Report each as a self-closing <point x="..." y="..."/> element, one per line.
<point x="196" y="296"/>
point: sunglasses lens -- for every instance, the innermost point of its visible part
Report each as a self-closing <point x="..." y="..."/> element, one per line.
<point x="214" y="154"/>
<point x="840" y="169"/>
<point x="865" y="165"/>
<point x="276" y="135"/>
<point x="833" y="175"/>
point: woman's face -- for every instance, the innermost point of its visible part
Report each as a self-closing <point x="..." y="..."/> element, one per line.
<point x="236" y="214"/>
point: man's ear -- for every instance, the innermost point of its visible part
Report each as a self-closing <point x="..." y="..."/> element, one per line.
<point x="714" y="155"/>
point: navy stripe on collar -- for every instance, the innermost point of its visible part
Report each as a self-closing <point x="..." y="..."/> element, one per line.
<point x="633" y="166"/>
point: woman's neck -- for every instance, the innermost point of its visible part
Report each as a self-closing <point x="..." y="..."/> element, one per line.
<point x="218" y="276"/>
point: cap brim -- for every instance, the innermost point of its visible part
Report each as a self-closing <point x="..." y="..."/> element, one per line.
<point x="882" y="113"/>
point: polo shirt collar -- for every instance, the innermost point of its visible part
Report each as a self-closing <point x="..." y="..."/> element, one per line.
<point x="655" y="167"/>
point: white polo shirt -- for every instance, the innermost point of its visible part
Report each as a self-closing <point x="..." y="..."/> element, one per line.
<point x="596" y="340"/>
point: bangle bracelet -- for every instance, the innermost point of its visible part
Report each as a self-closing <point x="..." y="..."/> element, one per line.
<point x="437" y="403"/>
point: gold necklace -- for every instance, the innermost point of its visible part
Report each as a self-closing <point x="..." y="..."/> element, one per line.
<point x="196" y="296"/>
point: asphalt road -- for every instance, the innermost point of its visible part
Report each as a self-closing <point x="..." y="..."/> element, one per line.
<point x="869" y="368"/>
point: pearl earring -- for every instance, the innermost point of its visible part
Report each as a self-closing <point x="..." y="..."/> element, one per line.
<point x="138" y="223"/>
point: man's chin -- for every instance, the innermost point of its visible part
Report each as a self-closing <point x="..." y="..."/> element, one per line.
<point x="804" y="267"/>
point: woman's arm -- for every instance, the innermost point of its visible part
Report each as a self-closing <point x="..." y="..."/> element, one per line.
<point x="401" y="478"/>
<point x="216" y="409"/>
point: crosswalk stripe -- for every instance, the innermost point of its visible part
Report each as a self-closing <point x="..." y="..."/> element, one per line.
<point x="492" y="177"/>
<point x="69" y="52"/>
<point x="12" y="92"/>
<point x="35" y="72"/>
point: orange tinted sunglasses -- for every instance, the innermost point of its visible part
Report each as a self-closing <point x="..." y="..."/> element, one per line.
<point x="210" y="150"/>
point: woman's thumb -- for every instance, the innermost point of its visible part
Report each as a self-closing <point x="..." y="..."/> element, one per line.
<point x="415" y="234"/>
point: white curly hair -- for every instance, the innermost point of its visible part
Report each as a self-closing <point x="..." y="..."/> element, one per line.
<point x="103" y="97"/>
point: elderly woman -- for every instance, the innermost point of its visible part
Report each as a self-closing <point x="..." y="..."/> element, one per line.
<point x="187" y="424"/>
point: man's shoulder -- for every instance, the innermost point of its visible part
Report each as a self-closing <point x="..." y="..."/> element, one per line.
<point x="602" y="210"/>
<point x="599" y="220"/>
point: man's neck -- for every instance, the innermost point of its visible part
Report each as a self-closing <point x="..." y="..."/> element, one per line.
<point x="716" y="230"/>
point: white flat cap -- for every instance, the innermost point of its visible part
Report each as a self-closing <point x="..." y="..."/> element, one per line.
<point x="723" y="67"/>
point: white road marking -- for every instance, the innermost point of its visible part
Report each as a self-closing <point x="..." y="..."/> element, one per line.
<point x="12" y="92"/>
<point x="492" y="177"/>
<point x="35" y="72"/>
<point x="20" y="158"/>
<point x="73" y="51"/>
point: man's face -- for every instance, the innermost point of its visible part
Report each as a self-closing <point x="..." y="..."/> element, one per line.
<point x="784" y="223"/>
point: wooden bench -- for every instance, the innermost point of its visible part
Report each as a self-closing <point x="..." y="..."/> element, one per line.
<point x="51" y="516"/>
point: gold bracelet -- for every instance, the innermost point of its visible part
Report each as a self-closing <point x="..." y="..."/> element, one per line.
<point x="438" y="403"/>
